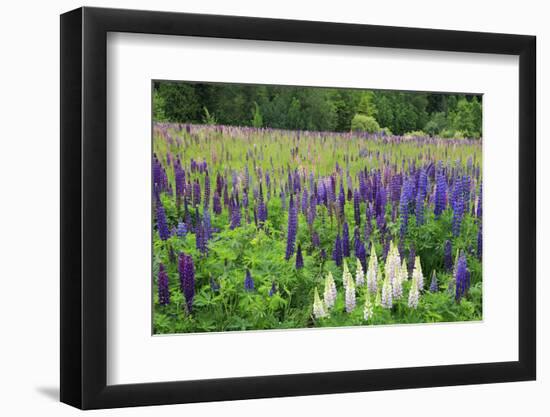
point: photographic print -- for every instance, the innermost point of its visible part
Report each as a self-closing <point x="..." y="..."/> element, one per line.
<point x="289" y="207"/>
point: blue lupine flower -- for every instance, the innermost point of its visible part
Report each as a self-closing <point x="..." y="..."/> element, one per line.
<point x="248" y="281"/>
<point x="181" y="230"/>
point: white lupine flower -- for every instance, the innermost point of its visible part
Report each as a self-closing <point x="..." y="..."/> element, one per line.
<point x="359" y="274"/>
<point x="404" y="274"/>
<point x="393" y="271"/>
<point x="413" y="293"/>
<point x="330" y="291"/>
<point x="346" y="275"/>
<point x="350" y="295"/>
<point x="387" y="300"/>
<point x="417" y="273"/>
<point x="318" y="306"/>
<point x="377" y="299"/>
<point x="368" y="309"/>
<point x="372" y="272"/>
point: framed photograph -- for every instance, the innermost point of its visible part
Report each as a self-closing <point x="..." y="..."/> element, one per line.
<point x="257" y="208"/>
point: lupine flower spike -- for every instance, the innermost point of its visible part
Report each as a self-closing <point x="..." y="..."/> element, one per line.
<point x="414" y="295"/>
<point x="359" y="274"/>
<point x="330" y="291"/>
<point x="434" y="287"/>
<point x="318" y="306"/>
<point x="163" y="290"/>
<point x="417" y="273"/>
<point x="387" y="298"/>
<point x="368" y="309"/>
<point x="372" y="272"/>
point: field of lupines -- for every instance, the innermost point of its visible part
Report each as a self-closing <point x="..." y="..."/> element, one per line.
<point x="275" y="229"/>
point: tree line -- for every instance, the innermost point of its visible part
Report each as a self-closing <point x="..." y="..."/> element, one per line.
<point x="323" y="109"/>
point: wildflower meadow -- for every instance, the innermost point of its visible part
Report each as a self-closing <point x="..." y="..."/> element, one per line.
<point x="260" y="228"/>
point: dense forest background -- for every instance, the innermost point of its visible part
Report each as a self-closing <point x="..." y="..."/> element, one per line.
<point x="324" y="109"/>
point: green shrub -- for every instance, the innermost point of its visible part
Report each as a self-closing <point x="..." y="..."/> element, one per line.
<point x="415" y="134"/>
<point x="363" y="123"/>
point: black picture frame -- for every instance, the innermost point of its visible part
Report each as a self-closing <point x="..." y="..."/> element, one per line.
<point x="84" y="207"/>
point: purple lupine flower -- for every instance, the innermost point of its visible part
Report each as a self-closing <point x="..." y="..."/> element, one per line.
<point x="226" y="201"/>
<point x="357" y="207"/>
<point x="466" y="185"/>
<point x="363" y="188"/>
<point x="356" y="239"/>
<point x="206" y="190"/>
<point x="448" y="255"/>
<point x="207" y="225"/>
<point x="440" y="194"/>
<point x="434" y="287"/>
<point x="361" y="254"/>
<point x="421" y="196"/>
<point x="380" y="203"/>
<point x="341" y="201"/>
<point x="395" y="188"/>
<point x="179" y="175"/>
<point x="248" y="281"/>
<point x="404" y="206"/>
<point x="337" y="251"/>
<point x="187" y="279"/>
<point x="217" y="206"/>
<point x="479" y="242"/>
<point x="312" y="211"/>
<point x="458" y="207"/>
<point x="162" y="225"/>
<point x="299" y="258"/>
<point x="245" y="200"/>
<point x="292" y="228"/>
<point x="235" y="213"/>
<point x="273" y="289"/>
<point x="461" y="277"/>
<point x="323" y="254"/>
<point x="304" y="201"/>
<point x="315" y="240"/>
<point x="163" y="290"/>
<point x="196" y="193"/>
<point x="479" y="211"/>
<point x="200" y="239"/>
<point x="345" y="240"/>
